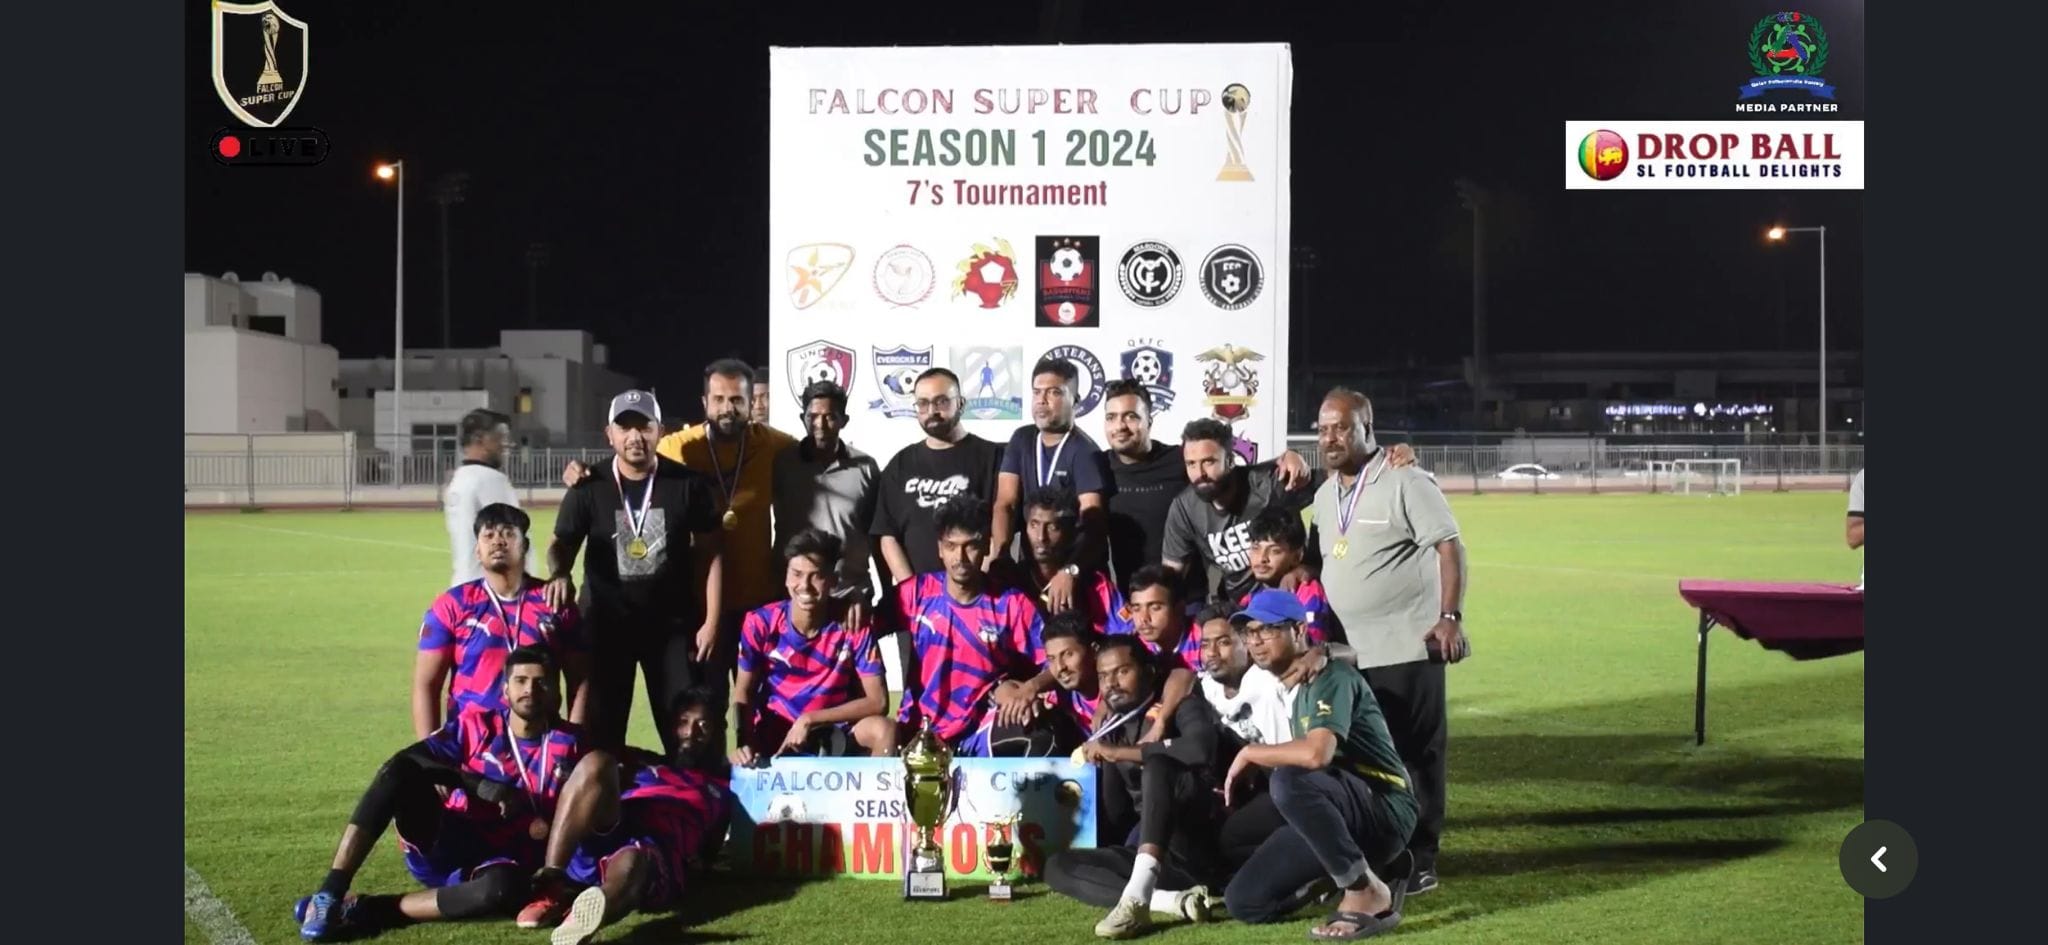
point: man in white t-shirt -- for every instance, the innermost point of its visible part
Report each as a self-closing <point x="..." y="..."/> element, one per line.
<point x="1855" y="535"/>
<point x="478" y="482"/>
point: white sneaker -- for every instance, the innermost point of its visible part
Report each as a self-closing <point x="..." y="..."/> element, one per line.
<point x="586" y="914"/>
<point x="1198" y="904"/>
<point x="1130" y="917"/>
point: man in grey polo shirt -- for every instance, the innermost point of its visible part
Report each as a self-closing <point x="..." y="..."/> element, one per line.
<point x="1395" y="573"/>
<point x="826" y="484"/>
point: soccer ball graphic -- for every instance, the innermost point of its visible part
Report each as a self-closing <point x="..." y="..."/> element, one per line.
<point x="1146" y="369"/>
<point x="787" y="807"/>
<point x="901" y="381"/>
<point x="821" y="370"/>
<point x="1231" y="283"/>
<point x="1066" y="264"/>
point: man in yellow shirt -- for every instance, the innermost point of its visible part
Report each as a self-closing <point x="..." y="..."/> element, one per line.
<point x="739" y="455"/>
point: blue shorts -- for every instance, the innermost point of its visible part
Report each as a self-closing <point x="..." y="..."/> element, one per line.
<point x="594" y="855"/>
<point x="459" y="850"/>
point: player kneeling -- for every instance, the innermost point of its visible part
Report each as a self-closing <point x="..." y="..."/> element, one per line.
<point x="471" y="803"/>
<point x="629" y="833"/>
<point x="807" y="683"/>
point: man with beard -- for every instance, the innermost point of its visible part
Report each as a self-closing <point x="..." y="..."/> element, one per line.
<point x="978" y="646"/>
<point x="1338" y="783"/>
<point x="475" y="848"/>
<point x="1279" y="543"/>
<point x="471" y="628"/>
<point x="827" y="485"/>
<point x="1055" y="455"/>
<point x="630" y="832"/>
<point x="809" y="681"/>
<point x="1209" y="525"/>
<point x="478" y="482"/>
<point x="1051" y="526"/>
<point x="649" y="604"/>
<point x="1146" y="475"/>
<point x="949" y="464"/>
<point x="1167" y="787"/>
<point x="1395" y="572"/>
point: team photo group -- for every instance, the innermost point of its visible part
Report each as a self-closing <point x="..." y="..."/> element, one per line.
<point x="1252" y="655"/>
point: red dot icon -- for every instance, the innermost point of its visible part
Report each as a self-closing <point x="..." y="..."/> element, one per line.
<point x="230" y="146"/>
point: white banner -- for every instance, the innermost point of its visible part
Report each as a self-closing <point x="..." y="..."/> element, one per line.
<point x="1765" y="154"/>
<point x="1123" y="207"/>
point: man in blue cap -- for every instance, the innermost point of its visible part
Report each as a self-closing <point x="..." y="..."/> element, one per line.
<point x="1339" y="784"/>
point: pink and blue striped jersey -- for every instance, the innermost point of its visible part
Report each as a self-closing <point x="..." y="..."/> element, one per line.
<point x="1187" y="655"/>
<point x="677" y="812"/>
<point x="1315" y="601"/>
<point x="1098" y="597"/>
<point x="804" y="674"/>
<point x="964" y="650"/>
<point x="464" y="623"/>
<point x="479" y="741"/>
<point x="1072" y="702"/>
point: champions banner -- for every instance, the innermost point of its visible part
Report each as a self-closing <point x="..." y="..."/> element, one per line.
<point x="846" y="816"/>
<point x="1124" y="208"/>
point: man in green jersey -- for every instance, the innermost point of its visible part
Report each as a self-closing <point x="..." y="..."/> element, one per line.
<point x="1339" y="784"/>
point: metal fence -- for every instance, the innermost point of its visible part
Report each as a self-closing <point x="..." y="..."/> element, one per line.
<point x="330" y="470"/>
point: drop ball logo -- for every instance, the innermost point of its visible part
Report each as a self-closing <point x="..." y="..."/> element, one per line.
<point x="1603" y="155"/>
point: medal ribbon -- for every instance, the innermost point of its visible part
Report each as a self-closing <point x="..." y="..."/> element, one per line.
<point x="636" y="521"/>
<point x="547" y="742"/>
<point x="1348" y="509"/>
<point x="511" y="625"/>
<point x="739" y="461"/>
<point x="1038" y="454"/>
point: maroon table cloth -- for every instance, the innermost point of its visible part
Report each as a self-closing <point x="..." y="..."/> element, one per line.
<point x="1802" y="620"/>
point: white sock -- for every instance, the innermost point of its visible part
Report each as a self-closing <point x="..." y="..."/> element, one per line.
<point x="1144" y="878"/>
<point x="1166" y="901"/>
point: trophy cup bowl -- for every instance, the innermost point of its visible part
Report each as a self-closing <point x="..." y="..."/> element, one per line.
<point x="927" y="797"/>
<point x="999" y="850"/>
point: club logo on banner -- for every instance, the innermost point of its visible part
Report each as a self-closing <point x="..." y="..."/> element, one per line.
<point x="1232" y="277"/>
<point x="903" y="276"/>
<point x="1150" y="274"/>
<point x="1068" y="287"/>
<point x="815" y="270"/>
<point x="262" y="57"/>
<point x="990" y="275"/>
<point x="993" y="378"/>
<point x="818" y="361"/>
<point x="1149" y="363"/>
<point x="846" y="816"/>
<point x="896" y="370"/>
<point x="1089" y="378"/>
<point x="1231" y="382"/>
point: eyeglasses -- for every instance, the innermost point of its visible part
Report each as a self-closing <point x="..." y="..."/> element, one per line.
<point x="1249" y="631"/>
<point x="927" y="406"/>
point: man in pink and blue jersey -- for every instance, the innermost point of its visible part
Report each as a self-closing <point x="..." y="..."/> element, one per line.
<point x="1052" y="526"/>
<point x="472" y="627"/>
<point x="476" y="847"/>
<point x="1070" y="656"/>
<point x="1161" y="621"/>
<point x="809" y="684"/>
<point x="629" y="833"/>
<point x="979" y="656"/>
<point x="1279" y="545"/>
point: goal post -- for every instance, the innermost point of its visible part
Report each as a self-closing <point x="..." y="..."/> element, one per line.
<point x="1706" y="476"/>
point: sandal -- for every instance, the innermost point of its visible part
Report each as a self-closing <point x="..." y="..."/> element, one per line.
<point x="1365" y="925"/>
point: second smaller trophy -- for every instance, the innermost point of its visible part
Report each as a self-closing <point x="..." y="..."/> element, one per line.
<point x="999" y="848"/>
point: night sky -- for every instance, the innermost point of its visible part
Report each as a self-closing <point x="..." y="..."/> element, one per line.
<point x="633" y="139"/>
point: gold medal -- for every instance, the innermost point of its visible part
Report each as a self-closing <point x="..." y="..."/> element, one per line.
<point x="1343" y="545"/>
<point x="538" y="830"/>
<point x="636" y="549"/>
<point x="731" y="520"/>
<point x="1081" y="755"/>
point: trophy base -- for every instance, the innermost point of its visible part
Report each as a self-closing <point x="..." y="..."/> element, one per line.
<point x="1237" y="172"/>
<point x="925" y="886"/>
<point x="999" y="891"/>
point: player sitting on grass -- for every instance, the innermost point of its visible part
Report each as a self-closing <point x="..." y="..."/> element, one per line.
<point x="1279" y="542"/>
<point x="631" y="833"/>
<point x="471" y="627"/>
<point x="977" y="646"/>
<point x="808" y="684"/>
<point x="476" y="848"/>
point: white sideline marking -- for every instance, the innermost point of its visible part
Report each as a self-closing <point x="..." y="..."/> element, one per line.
<point x="334" y="537"/>
<point x="212" y="915"/>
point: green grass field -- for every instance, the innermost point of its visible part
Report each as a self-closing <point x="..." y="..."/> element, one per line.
<point x="1580" y="811"/>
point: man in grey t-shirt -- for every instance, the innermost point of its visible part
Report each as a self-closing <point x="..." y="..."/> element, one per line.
<point x="1209" y="523"/>
<point x="826" y="484"/>
<point x="1394" y="570"/>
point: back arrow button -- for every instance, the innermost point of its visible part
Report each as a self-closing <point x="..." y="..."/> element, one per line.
<point x="1878" y="859"/>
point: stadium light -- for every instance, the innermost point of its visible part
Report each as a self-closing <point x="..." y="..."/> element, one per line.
<point x="1778" y="234"/>
<point x="395" y="170"/>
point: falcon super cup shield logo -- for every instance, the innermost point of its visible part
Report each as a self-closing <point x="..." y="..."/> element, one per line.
<point x="261" y="61"/>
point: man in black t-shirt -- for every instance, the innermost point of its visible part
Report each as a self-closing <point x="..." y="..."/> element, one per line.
<point x="1051" y="453"/>
<point x="919" y="481"/>
<point x="639" y="522"/>
<point x="1209" y="525"/>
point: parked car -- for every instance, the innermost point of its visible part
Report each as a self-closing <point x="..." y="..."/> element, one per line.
<point x="1526" y="471"/>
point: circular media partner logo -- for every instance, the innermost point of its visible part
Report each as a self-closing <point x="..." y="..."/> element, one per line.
<point x="1603" y="155"/>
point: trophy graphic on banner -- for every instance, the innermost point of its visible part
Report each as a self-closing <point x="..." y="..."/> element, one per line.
<point x="1237" y="101"/>
<point x="270" y="80"/>
<point x="1000" y="850"/>
<point x="928" y="798"/>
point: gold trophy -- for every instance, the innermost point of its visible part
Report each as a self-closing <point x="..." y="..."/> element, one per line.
<point x="928" y="796"/>
<point x="1000" y="851"/>
<point x="1237" y="105"/>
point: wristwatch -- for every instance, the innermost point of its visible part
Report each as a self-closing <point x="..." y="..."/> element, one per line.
<point x="1072" y="570"/>
<point x="1454" y="615"/>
